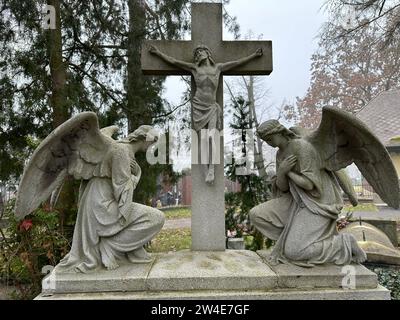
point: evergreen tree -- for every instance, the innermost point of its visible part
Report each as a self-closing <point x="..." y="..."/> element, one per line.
<point x="93" y="57"/>
<point x="253" y="191"/>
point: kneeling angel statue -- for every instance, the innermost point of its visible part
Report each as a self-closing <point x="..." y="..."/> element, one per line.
<point x="308" y="187"/>
<point x="110" y="227"/>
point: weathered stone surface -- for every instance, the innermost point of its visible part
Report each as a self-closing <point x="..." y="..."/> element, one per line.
<point x="208" y="202"/>
<point x="389" y="227"/>
<point x="236" y="244"/>
<point x="208" y="220"/>
<point x="374" y="242"/>
<point x="108" y="224"/>
<point x="325" y="276"/>
<point x="303" y="221"/>
<point x="128" y="277"/>
<point x="231" y="274"/>
<point x="379" y="293"/>
<point x="207" y="27"/>
<point x="384" y="220"/>
<point x="229" y="270"/>
<point x="183" y="270"/>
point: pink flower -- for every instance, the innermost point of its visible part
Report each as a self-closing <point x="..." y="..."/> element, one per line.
<point x="25" y="225"/>
<point x="231" y="234"/>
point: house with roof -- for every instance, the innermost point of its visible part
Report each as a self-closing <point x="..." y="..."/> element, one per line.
<point x="382" y="116"/>
<point x="394" y="149"/>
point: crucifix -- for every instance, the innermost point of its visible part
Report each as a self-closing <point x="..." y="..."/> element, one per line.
<point x="173" y="57"/>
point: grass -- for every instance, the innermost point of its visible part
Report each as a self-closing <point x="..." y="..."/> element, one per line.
<point x="171" y="240"/>
<point x="361" y="207"/>
<point x="178" y="213"/>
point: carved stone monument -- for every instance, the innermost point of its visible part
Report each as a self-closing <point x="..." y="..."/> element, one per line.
<point x="206" y="112"/>
<point x="109" y="227"/>
<point x="302" y="217"/>
<point x="309" y="176"/>
<point x="208" y="201"/>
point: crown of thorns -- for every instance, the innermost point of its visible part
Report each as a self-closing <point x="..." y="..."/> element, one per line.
<point x="202" y="47"/>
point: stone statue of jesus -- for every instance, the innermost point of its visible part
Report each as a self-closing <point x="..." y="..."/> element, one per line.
<point x="206" y="112"/>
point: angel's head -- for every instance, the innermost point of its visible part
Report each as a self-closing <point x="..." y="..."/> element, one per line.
<point x="202" y="53"/>
<point x="143" y="137"/>
<point x="275" y="134"/>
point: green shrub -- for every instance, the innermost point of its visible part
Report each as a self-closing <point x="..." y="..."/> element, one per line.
<point x="28" y="246"/>
<point x="238" y="206"/>
<point x="389" y="277"/>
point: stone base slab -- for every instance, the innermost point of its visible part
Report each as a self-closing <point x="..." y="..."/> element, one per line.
<point x="380" y="293"/>
<point x="326" y="276"/>
<point x="232" y="274"/>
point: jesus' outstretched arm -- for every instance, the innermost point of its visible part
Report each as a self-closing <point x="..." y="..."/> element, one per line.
<point x="233" y="64"/>
<point x="180" y="64"/>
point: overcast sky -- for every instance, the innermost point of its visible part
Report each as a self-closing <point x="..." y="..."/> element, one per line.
<point x="292" y="26"/>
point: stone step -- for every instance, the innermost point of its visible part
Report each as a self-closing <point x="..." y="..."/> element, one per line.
<point x="230" y="270"/>
<point x="379" y="293"/>
<point x="182" y="270"/>
<point x="326" y="276"/>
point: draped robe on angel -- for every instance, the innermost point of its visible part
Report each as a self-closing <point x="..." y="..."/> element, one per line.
<point x="99" y="235"/>
<point x="304" y="222"/>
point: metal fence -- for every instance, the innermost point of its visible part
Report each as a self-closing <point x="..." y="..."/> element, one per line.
<point x="364" y="192"/>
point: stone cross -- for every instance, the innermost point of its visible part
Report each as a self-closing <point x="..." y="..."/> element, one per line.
<point x="208" y="201"/>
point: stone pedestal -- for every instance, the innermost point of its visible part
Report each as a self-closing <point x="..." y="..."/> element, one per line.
<point x="235" y="244"/>
<point x="233" y="274"/>
<point x="208" y="219"/>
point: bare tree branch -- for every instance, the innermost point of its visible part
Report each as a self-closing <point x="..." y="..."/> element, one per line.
<point x="106" y="90"/>
<point x="173" y="110"/>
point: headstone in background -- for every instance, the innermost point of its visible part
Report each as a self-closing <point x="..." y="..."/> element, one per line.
<point x="374" y="242"/>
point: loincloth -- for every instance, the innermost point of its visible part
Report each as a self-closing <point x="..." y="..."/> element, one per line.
<point x="203" y="113"/>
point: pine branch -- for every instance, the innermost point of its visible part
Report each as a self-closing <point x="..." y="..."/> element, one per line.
<point x="28" y="86"/>
<point x="102" y="86"/>
<point x="155" y="16"/>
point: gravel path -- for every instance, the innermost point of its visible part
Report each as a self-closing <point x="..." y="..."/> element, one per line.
<point x="178" y="223"/>
<point x="382" y="214"/>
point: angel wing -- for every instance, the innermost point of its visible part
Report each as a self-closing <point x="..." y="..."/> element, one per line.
<point x="75" y="147"/>
<point x="342" y="139"/>
<point x="109" y="131"/>
<point x="341" y="175"/>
